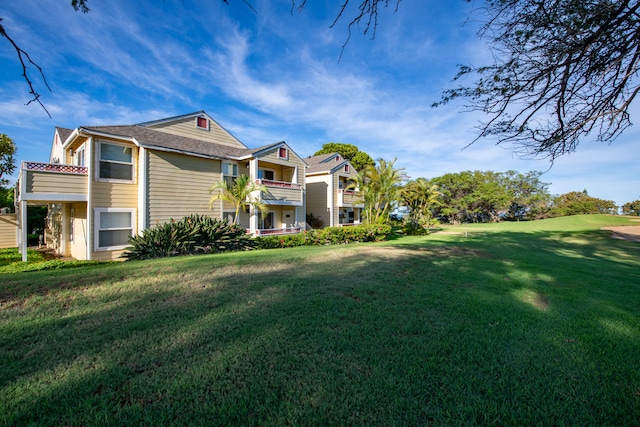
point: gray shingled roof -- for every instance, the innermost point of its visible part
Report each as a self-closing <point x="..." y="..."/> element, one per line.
<point x="322" y="163"/>
<point x="149" y="138"/>
<point x="64" y="133"/>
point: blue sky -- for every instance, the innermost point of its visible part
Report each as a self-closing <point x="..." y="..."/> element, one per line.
<point x="275" y="75"/>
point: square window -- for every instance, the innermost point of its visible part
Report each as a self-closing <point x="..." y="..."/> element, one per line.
<point x="115" y="162"/>
<point x="282" y="153"/>
<point x="202" y="123"/>
<point x="113" y="228"/>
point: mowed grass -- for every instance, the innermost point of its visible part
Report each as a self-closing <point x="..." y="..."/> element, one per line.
<point x="513" y="324"/>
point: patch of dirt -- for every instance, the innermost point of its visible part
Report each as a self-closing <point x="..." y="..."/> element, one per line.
<point x="625" y="232"/>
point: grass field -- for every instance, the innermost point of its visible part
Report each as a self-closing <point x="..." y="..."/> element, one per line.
<point x="533" y="323"/>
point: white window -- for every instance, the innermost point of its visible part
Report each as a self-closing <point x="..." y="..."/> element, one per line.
<point x="229" y="173"/>
<point x="113" y="228"/>
<point x="116" y="162"/>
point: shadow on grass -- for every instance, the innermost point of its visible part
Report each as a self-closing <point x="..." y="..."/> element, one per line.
<point x="505" y="329"/>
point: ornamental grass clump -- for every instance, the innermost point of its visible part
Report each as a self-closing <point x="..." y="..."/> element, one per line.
<point x="195" y="234"/>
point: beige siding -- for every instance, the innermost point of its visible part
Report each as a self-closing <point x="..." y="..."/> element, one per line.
<point x="8" y="231"/>
<point x="55" y="183"/>
<point x="114" y="195"/>
<point x="187" y="127"/>
<point x="276" y="195"/>
<point x="179" y="186"/>
<point x="317" y="190"/>
<point x="108" y="255"/>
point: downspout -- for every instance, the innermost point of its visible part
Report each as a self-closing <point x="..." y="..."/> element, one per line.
<point x="331" y="200"/>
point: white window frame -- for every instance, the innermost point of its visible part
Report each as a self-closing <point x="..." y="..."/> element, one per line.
<point x="99" y="160"/>
<point x="286" y="153"/>
<point x="79" y="156"/>
<point x="97" y="229"/>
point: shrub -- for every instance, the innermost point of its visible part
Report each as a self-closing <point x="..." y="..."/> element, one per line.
<point x="326" y="236"/>
<point x="191" y="235"/>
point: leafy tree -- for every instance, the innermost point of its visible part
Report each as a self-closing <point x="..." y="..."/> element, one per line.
<point x="631" y="208"/>
<point x="7" y="198"/>
<point x="7" y="158"/>
<point x="579" y="203"/>
<point x="420" y="197"/>
<point x="562" y="70"/>
<point x="530" y="198"/>
<point x="379" y="187"/>
<point x="491" y="196"/>
<point x="7" y="166"/>
<point x="359" y="159"/>
<point x="239" y="195"/>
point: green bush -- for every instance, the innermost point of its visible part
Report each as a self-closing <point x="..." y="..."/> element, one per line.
<point x="195" y="234"/>
<point x="326" y="236"/>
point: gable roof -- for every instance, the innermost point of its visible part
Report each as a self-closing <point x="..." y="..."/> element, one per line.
<point x="325" y="163"/>
<point x="144" y="135"/>
<point x="149" y="138"/>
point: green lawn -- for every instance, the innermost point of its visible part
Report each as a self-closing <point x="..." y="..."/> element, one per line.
<point x="533" y="323"/>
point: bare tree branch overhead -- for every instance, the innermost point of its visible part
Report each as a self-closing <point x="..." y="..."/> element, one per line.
<point x="25" y="60"/>
<point x="563" y="70"/>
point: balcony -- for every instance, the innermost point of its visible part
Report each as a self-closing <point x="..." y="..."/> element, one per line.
<point x="52" y="182"/>
<point x="349" y="198"/>
<point x="281" y="193"/>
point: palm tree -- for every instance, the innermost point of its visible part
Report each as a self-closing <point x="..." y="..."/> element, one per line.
<point x="239" y="195"/>
<point x="420" y="196"/>
<point x="379" y="189"/>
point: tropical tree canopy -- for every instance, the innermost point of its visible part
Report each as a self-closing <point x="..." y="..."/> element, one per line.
<point x="359" y="159"/>
<point x="379" y="188"/>
<point x="420" y="197"/>
<point x="239" y="195"/>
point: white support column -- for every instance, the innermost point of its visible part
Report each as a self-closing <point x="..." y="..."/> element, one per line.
<point x="253" y="213"/>
<point x="23" y="229"/>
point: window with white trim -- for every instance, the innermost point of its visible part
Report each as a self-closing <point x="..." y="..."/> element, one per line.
<point x="229" y="173"/>
<point x="115" y="162"/>
<point x="113" y="228"/>
<point x="346" y="168"/>
<point x="283" y="153"/>
<point x="202" y="123"/>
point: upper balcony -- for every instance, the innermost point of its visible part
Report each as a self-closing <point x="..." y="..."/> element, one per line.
<point x="52" y="182"/>
<point x="281" y="193"/>
<point x="349" y="198"/>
